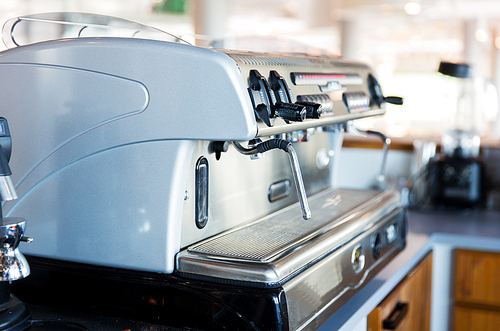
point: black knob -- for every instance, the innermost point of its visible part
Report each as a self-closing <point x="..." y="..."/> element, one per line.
<point x="313" y="110"/>
<point x="290" y="111"/>
<point x="218" y="147"/>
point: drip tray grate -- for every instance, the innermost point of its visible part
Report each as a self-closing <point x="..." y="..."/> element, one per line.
<point x="262" y="240"/>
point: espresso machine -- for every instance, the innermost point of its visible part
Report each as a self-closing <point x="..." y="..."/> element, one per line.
<point x="188" y="187"/>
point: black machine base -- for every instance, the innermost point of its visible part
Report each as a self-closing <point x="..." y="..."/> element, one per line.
<point x="154" y="298"/>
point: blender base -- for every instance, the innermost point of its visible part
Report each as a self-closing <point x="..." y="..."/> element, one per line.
<point x="456" y="182"/>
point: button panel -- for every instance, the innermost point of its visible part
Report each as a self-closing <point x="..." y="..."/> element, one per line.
<point x="356" y="101"/>
<point x="322" y="99"/>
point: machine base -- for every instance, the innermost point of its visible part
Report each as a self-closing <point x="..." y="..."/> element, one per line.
<point x="154" y="298"/>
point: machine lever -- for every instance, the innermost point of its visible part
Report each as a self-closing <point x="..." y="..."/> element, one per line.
<point x="394" y="100"/>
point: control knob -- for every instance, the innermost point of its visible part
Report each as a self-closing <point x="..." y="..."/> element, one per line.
<point x="290" y="111"/>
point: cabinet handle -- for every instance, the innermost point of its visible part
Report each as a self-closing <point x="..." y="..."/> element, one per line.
<point x="396" y="316"/>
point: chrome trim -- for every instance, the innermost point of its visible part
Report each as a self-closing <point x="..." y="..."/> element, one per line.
<point x="281" y="127"/>
<point x="279" y="190"/>
<point x="7" y="189"/>
<point x="316" y="294"/>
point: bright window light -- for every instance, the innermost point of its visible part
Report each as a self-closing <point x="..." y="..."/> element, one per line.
<point x="413" y="8"/>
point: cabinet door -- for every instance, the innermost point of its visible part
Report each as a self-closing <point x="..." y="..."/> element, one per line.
<point x="477" y="291"/>
<point x="467" y="319"/>
<point x="412" y="294"/>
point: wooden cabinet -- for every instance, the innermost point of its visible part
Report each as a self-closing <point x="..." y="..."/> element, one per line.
<point x="477" y="291"/>
<point x="412" y="294"/>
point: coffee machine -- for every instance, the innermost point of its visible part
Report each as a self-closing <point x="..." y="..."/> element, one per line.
<point x="185" y="186"/>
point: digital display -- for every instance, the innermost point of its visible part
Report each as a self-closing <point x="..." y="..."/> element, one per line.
<point x="323" y="79"/>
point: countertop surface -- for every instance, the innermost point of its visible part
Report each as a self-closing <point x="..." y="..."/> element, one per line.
<point x="475" y="229"/>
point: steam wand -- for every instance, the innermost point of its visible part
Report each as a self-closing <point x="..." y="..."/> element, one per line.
<point x="286" y="146"/>
<point x="380" y="180"/>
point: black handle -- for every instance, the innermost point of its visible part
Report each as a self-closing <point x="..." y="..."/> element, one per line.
<point x="290" y="111"/>
<point x="397" y="315"/>
<point x="394" y="100"/>
<point x="262" y="103"/>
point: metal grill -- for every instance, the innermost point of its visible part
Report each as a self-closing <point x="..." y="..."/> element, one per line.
<point x="273" y="61"/>
<point x="262" y="240"/>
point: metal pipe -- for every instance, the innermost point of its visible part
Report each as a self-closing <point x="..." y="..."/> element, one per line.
<point x="299" y="183"/>
<point x="297" y="175"/>
<point x="243" y="150"/>
<point x="380" y="180"/>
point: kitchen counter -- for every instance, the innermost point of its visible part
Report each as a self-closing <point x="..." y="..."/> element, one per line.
<point x="429" y="229"/>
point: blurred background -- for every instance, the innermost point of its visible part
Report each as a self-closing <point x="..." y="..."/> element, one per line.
<point x="404" y="41"/>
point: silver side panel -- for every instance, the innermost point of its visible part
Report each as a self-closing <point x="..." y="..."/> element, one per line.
<point x="108" y="208"/>
<point x="101" y="149"/>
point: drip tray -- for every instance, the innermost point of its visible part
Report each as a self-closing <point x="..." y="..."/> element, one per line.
<point x="272" y="250"/>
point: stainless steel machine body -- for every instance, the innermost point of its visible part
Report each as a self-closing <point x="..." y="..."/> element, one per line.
<point x="108" y="145"/>
<point x="127" y="162"/>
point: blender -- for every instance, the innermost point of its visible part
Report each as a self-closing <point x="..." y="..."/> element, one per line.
<point x="456" y="178"/>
